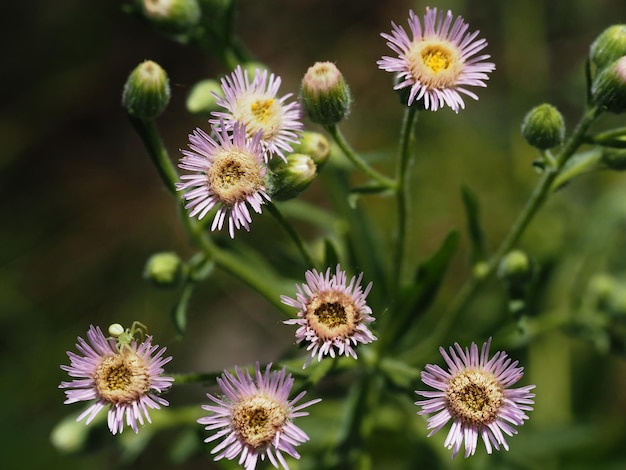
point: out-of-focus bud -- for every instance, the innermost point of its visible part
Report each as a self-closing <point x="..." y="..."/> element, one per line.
<point x="609" y="46"/>
<point x="324" y="94"/>
<point x="614" y="159"/>
<point x="609" y="87"/>
<point x="543" y="127"/>
<point x="253" y="67"/>
<point x="147" y="91"/>
<point x="292" y="177"/>
<point x="201" y="99"/>
<point x="515" y="267"/>
<point x="601" y="289"/>
<point x="315" y="145"/>
<point x="172" y="16"/>
<point x="480" y="270"/>
<point x="164" y="269"/>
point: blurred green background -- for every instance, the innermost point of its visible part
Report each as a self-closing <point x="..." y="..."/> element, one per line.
<point x="84" y="208"/>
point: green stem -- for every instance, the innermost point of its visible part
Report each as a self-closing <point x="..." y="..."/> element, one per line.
<point x="361" y="164"/>
<point x="537" y="198"/>
<point x="402" y="193"/>
<point x="194" y="378"/>
<point x="150" y="136"/>
<point x="284" y="223"/>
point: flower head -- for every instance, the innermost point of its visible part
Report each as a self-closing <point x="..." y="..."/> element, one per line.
<point x="475" y="394"/>
<point x="255" y="417"/>
<point x="438" y="61"/>
<point x="255" y="104"/>
<point x="230" y="176"/>
<point x="125" y="377"/>
<point x="332" y="315"/>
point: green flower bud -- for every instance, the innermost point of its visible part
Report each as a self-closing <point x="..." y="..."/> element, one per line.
<point x="601" y="289"/>
<point x="324" y="94"/>
<point x="609" y="87"/>
<point x="543" y="127"/>
<point x="315" y="145"/>
<point x="164" y="269"/>
<point x="609" y="46"/>
<point x="292" y="177"/>
<point x="614" y="159"/>
<point x="201" y="99"/>
<point x="147" y="91"/>
<point x="172" y="16"/>
<point x="515" y="267"/>
<point x="253" y="67"/>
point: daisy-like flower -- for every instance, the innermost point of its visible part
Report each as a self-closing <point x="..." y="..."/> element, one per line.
<point x="438" y="61"/>
<point x="476" y="394"/>
<point x="254" y="102"/>
<point x="124" y="377"/>
<point x="229" y="175"/>
<point x="332" y="314"/>
<point x="255" y="417"/>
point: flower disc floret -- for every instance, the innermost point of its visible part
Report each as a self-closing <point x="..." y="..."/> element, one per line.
<point x="475" y="394"/>
<point x="125" y="380"/>
<point x="332" y="314"/>
<point x="437" y="61"/>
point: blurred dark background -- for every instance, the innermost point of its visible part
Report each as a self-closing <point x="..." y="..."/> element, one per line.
<point x="83" y="208"/>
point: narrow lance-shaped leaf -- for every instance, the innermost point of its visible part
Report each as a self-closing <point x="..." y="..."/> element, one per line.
<point x="477" y="240"/>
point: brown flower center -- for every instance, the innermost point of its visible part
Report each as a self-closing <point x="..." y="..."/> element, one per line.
<point x="475" y="397"/>
<point x="234" y="176"/>
<point x="332" y="314"/>
<point x="122" y="378"/>
<point x="257" y="420"/>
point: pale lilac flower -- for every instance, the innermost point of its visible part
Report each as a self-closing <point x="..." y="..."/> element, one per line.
<point x="438" y="61"/>
<point x="229" y="175"/>
<point x="255" y="103"/>
<point x="332" y="315"/>
<point x="255" y="417"/>
<point x="123" y="377"/>
<point x="475" y="394"/>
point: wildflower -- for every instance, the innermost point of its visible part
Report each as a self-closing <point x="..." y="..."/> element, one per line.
<point x="123" y="376"/>
<point x="544" y="127"/>
<point x="255" y="417"/>
<point x="475" y="394"/>
<point x="230" y="176"/>
<point x="437" y="62"/>
<point x="332" y="315"/>
<point x="255" y="104"/>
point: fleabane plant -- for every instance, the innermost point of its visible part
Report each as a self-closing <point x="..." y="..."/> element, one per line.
<point x="362" y="319"/>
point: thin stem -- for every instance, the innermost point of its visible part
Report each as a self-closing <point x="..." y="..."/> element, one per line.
<point x="357" y="160"/>
<point x="402" y="193"/>
<point x="537" y="198"/>
<point x="284" y="223"/>
<point x="150" y="136"/>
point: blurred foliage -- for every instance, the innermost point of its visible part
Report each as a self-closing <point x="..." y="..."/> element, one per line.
<point x="84" y="210"/>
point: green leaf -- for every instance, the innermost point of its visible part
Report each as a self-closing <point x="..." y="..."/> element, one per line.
<point x="331" y="256"/>
<point x="179" y="312"/>
<point x="477" y="240"/>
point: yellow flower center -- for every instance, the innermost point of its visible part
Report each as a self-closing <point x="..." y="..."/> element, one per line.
<point x="257" y="419"/>
<point x="259" y="114"/>
<point x="475" y="397"/>
<point x="434" y="63"/>
<point x="122" y="378"/>
<point x="234" y="175"/>
<point x="332" y="314"/>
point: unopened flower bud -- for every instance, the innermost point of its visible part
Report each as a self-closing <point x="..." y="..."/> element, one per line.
<point x="324" y="94"/>
<point x="201" y="99"/>
<point x="315" y="145"/>
<point x="164" y="269"/>
<point x="609" y="87"/>
<point x="543" y="127"/>
<point x="292" y="177"/>
<point x="609" y="46"/>
<point x="147" y="91"/>
<point x="252" y="68"/>
<point x="172" y="16"/>
<point x="515" y="267"/>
